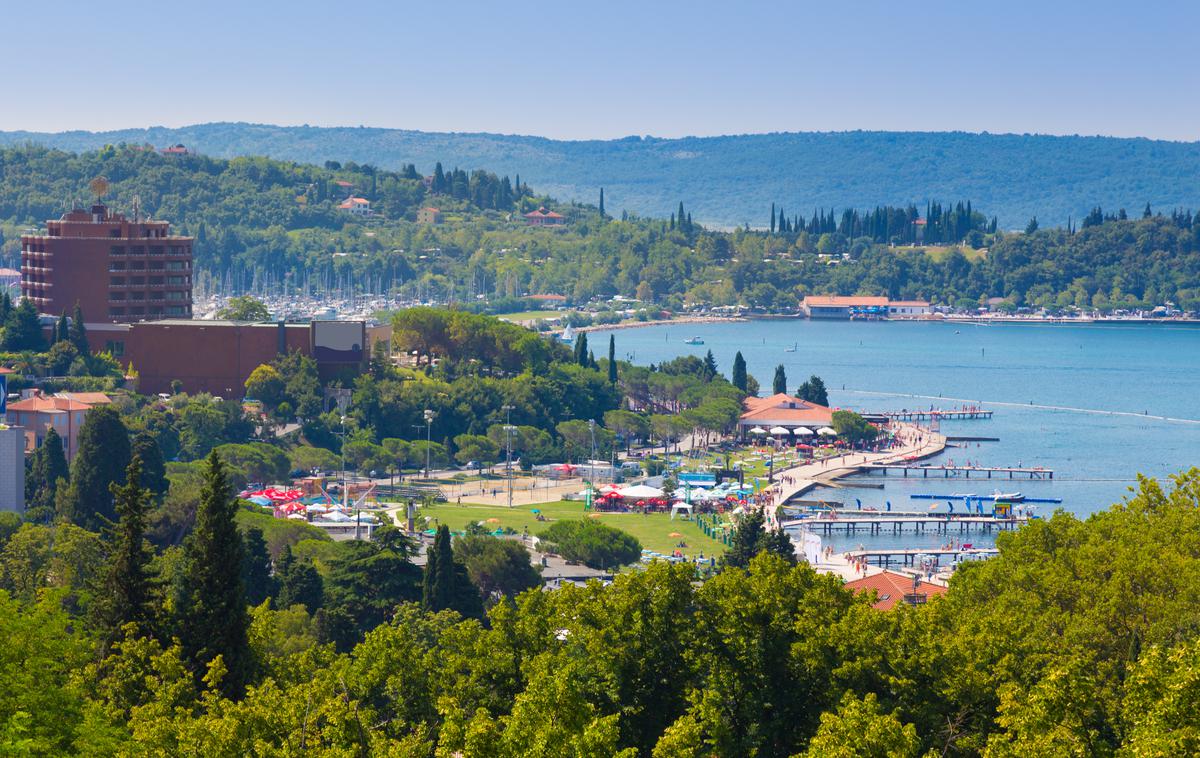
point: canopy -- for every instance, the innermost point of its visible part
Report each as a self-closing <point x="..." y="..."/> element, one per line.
<point x="779" y="430"/>
<point x="802" y="431"/>
<point x="640" y="491"/>
<point x="758" y="430"/>
<point x="826" y="432"/>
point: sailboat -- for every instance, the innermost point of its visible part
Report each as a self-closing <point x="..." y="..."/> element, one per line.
<point x="791" y="349"/>
<point x="693" y="341"/>
<point x="568" y="334"/>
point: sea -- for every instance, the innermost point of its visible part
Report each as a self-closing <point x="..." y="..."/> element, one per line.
<point x="1099" y="404"/>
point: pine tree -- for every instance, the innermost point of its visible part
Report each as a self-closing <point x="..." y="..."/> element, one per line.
<point x="601" y="203"/>
<point x="746" y="541"/>
<point x="127" y="588"/>
<point x="438" y="586"/>
<point x="23" y="329"/>
<point x="739" y="379"/>
<point x="256" y="567"/>
<point x="49" y="469"/>
<point x="6" y="306"/>
<point x="78" y="333"/>
<point x="1146" y="213"/>
<point x="612" y="359"/>
<point x="211" y="618"/>
<point x="61" y="330"/>
<point x="779" y="386"/>
<point x="102" y="454"/>
<point x="299" y="583"/>
<point x="154" y="473"/>
<point x="777" y="541"/>
<point x="772" y="218"/>
<point x="710" y="366"/>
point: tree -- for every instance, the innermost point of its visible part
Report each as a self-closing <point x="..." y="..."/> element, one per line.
<point x="446" y="584"/>
<point x="752" y="538"/>
<point x="860" y="728"/>
<point x="581" y="350"/>
<point x="244" y="308"/>
<point x="779" y="385"/>
<point x="853" y="428"/>
<point x="256" y="567"/>
<point x="475" y="448"/>
<point x="612" y="359"/>
<point x="710" y="366"/>
<point x="101" y="458"/>
<point x="266" y="385"/>
<point x="738" y="374"/>
<point x="154" y="473"/>
<point x="591" y="543"/>
<point x="49" y="468"/>
<point x="299" y="582"/>
<point x="601" y="203"/>
<point x="814" y="391"/>
<point x="211" y="619"/>
<point x="62" y="329"/>
<point x="23" y="329"/>
<point x="1032" y="226"/>
<point x="127" y="592"/>
<point x="78" y="332"/>
<point x="499" y="568"/>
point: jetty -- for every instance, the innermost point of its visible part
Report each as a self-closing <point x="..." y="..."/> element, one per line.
<point x="910" y="556"/>
<point x="936" y="414"/>
<point x="898" y="523"/>
<point x="948" y="470"/>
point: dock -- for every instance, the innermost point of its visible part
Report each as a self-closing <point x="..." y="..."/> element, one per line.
<point x="898" y="523"/>
<point x="908" y="557"/>
<point x="965" y="472"/>
<point x="936" y="414"/>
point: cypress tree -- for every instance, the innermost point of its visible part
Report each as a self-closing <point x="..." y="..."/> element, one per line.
<point x="1146" y="213"/>
<point x="772" y="218"/>
<point x="779" y="386"/>
<point x="438" y="585"/>
<point x="100" y="459"/>
<point x="6" y="306"/>
<point x="48" y="470"/>
<point x="154" y="472"/>
<point x="256" y="567"/>
<point x="78" y="333"/>
<point x="602" y="203"/>
<point x="299" y="583"/>
<point x="739" y="372"/>
<point x="581" y="350"/>
<point x="61" y="330"/>
<point x="612" y="359"/>
<point x="127" y="594"/>
<point x="211" y="613"/>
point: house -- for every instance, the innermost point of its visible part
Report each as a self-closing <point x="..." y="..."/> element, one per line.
<point x="38" y="413"/>
<point x="908" y="308"/>
<point x="175" y="150"/>
<point x="543" y="217"/>
<point x="835" y="306"/>
<point x="359" y="206"/>
<point x="429" y="216"/>
<point x="548" y="299"/>
<point x="782" y="410"/>
<point x="891" y="588"/>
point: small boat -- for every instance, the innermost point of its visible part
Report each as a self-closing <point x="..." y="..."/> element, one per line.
<point x="791" y="349"/>
<point x="568" y="334"/>
<point x="693" y="341"/>
<point x="1007" y="497"/>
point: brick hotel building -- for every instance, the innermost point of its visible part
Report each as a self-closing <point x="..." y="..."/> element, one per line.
<point x="116" y="269"/>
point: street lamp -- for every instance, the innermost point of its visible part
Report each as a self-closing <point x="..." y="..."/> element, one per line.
<point x="509" y="429"/>
<point x="429" y="416"/>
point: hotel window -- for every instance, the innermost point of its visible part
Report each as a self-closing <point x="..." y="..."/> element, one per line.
<point x="137" y="310"/>
<point x="117" y="250"/>
<point x="115" y="347"/>
<point x="117" y="281"/>
<point x="137" y="250"/>
<point x="156" y="250"/>
<point x="175" y="280"/>
<point x="116" y="311"/>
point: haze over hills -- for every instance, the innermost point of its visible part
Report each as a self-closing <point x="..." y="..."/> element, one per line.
<point x="732" y="180"/>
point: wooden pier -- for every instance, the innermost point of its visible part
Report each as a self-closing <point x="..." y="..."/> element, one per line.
<point x="936" y="414"/>
<point x="947" y="471"/>
<point x="908" y="557"/>
<point x="878" y="523"/>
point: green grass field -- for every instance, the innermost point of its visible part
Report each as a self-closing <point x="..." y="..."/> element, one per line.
<point x="531" y="315"/>
<point x="653" y="531"/>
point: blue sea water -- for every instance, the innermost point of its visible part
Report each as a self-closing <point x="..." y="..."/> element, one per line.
<point x="1097" y="403"/>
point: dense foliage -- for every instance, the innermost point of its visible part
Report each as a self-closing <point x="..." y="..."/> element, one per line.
<point x="1079" y="639"/>
<point x="734" y="179"/>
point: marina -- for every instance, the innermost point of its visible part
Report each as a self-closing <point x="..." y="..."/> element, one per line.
<point x="911" y="557"/>
<point x="949" y="470"/>
<point x="937" y="414"/>
<point x="898" y="523"/>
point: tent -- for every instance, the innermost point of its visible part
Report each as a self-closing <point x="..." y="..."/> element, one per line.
<point x="640" y="491"/>
<point x="777" y="430"/>
<point x="826" y="432"/>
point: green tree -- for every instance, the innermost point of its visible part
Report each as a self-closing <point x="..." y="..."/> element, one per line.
<point x="49" y="469"/>
<point x="446" y="584"/>
<point x="612" y="354"/>
<point x="499" y="568"/>
<point x="738" y="377"/>
<point x="853" y="428"/>
<point x="23" y="329"/>
<point x="710" y="366"/>
<point x="266" y="385"/>
<point x="581" y="350"/>
<point x="244" y="308"/>
<point x="779" y="385"/>
<point x="475" y="448"/>
<point x="814" y="391"/>
<point x="591" y="543"/>
<point x="154" y="473"/>
<point x="126" y="595"/>
<point x="100" y="460"/>
<point x="299" y="582"/>
<point x="211" y="619"/>
<point x="78" y="332"/>
<point x="256" y="567"/>
<point x="861" y="729"/>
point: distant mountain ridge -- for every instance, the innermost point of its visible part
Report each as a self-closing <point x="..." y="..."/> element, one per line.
<point x="732" y="180"/>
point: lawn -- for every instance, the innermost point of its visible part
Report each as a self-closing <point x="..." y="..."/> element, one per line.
<point x="531" y="315"/>
<point x="653" y="531"/>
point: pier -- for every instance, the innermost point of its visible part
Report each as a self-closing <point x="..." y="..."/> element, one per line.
<point x="936" y="414"/>
<point x="947" y="470"/>
<point x="898" y="523"/>
<point x="908" y="557"/>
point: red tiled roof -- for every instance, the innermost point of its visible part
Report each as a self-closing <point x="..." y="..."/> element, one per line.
<point x="343" y="183"/>
<point x="785" y="409"/>
<point x="91" y="398"/>
<point x="891" y="588"/>
<point x="48" y="405"/>
<point x="543" y="213"/>
<point x="350" y="202"/>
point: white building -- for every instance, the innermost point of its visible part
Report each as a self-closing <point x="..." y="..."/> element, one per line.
<point x="359" y="206"/>
<point x="12" y="468"/>
<point x="903" y="308"/>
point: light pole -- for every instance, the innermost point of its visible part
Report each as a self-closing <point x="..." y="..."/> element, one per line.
<point x="508" y="432"/>
<point x="429" y="416"/>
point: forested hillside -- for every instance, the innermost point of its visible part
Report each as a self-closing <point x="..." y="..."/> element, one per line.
<point x="733" y="180"/>
<point x="262" y="225"/>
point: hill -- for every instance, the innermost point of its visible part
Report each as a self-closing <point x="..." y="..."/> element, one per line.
<point x="733" y="180"/>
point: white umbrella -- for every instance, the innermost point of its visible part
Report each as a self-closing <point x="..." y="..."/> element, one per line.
<point x="779" y="430"/>
<point x="802" y="431"/>
<point x="826" y="432"/>
<point x="640" y="491"/>
<point x="758" y="430"/>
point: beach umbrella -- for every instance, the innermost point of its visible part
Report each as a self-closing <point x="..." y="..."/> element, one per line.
<point x="758" y="430"/>
<point x="777" y="430"/>
<point x="826" y="432"/>
<point x="802" y="431"/>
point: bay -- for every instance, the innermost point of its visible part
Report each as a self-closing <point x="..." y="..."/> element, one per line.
<point x="1097" y="403"/>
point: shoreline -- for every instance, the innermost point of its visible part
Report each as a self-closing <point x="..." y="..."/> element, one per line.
<point x="976" y="320"/>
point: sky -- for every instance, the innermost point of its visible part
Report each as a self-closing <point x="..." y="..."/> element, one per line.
<point x="597" y="70"/>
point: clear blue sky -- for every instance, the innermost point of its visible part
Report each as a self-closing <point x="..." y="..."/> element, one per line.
<point x="608" y="69"/>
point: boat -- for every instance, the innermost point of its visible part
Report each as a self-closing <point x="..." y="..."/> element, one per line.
<point x="693" y="341"/>
<point x="791" y="349"/>
<point x="1007" y="497"/>
<point x="568" y="334"/>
